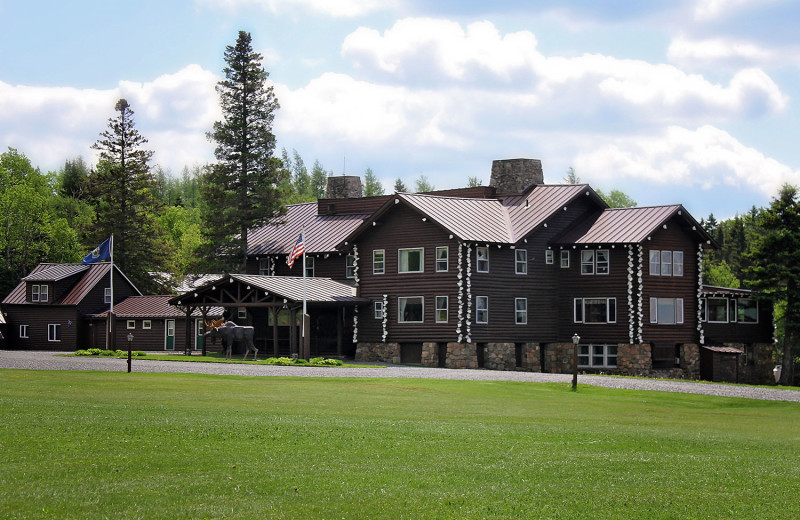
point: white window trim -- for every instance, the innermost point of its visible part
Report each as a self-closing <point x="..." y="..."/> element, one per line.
<point x="727" y="309"/>
<point x="518" y="262"/>
<point x="478" y="259"/>
<point x="739" y="307"/>
<point x="478" y="309"/>
<point x="421" y="259"/>
<point x="23" y="331"/>
<point x="446" y="309"/>
<point x="147" y="324"/>
<point x="590" y="355"/>
<point x="446" y="259"/>
<point x="131" y="324"/>
<point x="587" y="264"/>
<point x="609" y="319"/>
<point x="382" y="262"/>
<point x="241" y="313"/>
<point x="517" y="312"/>
<point x="378" y="310"/>
<point x="350" y="266"/>
<point x="263" y="266"/>
<point x="564" y="259"/>
<point x="657" y="265"/>
<point x="549" y="258"/>
<point x="51" y="329"/>
<point x="107" y="295"/>
<point x="400" y="309"/>
<point x="309" y="265"/>
<point x="677" y="305"/>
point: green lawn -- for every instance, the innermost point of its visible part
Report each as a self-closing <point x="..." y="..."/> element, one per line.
<point x="117" y="445"/>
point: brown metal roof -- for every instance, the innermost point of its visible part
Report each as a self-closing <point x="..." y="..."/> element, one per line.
<point x="531" y="209"/>
<point x="723" y="349"/>
<point x="152" y="307"/>
<point x="483" y="220"/>
<point x="626" y="225"/>
<point x="713" y="290"/>
<point x="322" y="232"/>
<point x="56" y="272"/>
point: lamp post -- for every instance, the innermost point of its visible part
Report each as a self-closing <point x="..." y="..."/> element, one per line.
<point x="575" y="340"/>
<point x="130" y="340"/>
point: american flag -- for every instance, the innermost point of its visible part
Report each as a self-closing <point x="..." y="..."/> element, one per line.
<point x="297" y="250"/>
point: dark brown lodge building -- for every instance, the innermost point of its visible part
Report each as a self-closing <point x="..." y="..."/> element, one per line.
<point x="499" y="277"/>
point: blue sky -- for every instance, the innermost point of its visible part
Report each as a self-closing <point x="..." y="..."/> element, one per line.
<point x="680" y="101"/>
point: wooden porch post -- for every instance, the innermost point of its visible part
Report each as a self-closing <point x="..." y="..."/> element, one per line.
<point x="275" y="311"/>
<point x="187" y="343"/>
<point x="339" y="330"/>
<point x="293" y="331"/>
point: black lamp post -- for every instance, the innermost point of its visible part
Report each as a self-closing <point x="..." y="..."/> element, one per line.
<point x="575" y="340"/>
<point x="130" y="340"/>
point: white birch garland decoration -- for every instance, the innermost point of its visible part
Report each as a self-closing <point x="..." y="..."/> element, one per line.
<point x="700" y="292"/>
<point x="469" y="292"/>
<point x="272" y="266"/>
<point x="641" y="291"/>
<point x="630" y="294"/>
<point x="355" y="325"/>
<point x="385" y="317"/>
<point x="460" y="277"/>
<point x="355" y="263"/>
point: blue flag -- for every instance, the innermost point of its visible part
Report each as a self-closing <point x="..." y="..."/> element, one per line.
<point x="100" y="253"/>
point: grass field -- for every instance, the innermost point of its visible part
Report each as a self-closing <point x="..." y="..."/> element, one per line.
<point x="115" y="445"/>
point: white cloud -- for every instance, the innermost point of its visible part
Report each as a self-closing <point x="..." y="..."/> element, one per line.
<point x="334" y="8"/>
<point x="708" y="10"/>
<point x="430" y="53"/>
<point x="716" y="50"/>
<point x="51" y="124"/>
<point x="704" y="158"/>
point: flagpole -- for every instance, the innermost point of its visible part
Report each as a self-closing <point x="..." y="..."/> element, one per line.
<point x="302" y="232"/>
<point x="111" y="256"/>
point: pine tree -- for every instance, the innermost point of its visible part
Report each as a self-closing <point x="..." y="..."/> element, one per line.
<point x="242" y="190"/>
<point x="372" y="185"/>
<point x="122" y="192"/>
<point x="400" y="186"/>
<point x="319" y="180"/>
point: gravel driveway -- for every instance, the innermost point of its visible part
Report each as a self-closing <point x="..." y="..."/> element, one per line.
<point x="36" y="360"/>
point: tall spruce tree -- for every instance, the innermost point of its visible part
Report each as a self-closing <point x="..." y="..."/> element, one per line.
<point x="774" y="267"/>
<point x="372" y="185"/>
<point x="242" y="190"/>
<point x="121" y="188"/>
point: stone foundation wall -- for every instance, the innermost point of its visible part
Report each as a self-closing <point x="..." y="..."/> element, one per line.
<point x="380" y="352"/>
<point x="632" y="360"/>
<point x="500" y="356"/>
<point x="430" y="354"/>
<point x="531" y="360"/>
<point x="755" y="367"/>
<point x="558" y="358"/>
<point x="462" y="355"/>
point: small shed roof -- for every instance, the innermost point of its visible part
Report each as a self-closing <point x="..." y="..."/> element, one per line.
<point x="723" y="349"/>
<point x="157" y="306"/>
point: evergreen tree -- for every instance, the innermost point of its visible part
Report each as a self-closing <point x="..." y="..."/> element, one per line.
<point x="122" y="188"/>
<point x="774" y="267"/>
<point x="399" y="186"/>
<point x="423" y="184"/>
<point x="372" y="185"/>
<point x="572" y="177"/>
<point x="73" y="179"/>
<point x="242" y="190"/>
<point x="474" y="182"/>
<point x="319" y="180"/>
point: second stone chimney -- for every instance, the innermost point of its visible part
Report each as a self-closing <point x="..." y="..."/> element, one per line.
<point x="344" y="187"/>
<point x="514" y="175"/>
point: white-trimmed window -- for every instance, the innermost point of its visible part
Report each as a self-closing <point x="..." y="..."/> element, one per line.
<point x="666" y="311"/>
<point x="410" y="260"/>
<point x="482" y="259"/>
<point x="378" y="310"/>
<point x="107" y="295"/>
<point x="132" y="324"/>
<point x="481" y="309"/>
<point x="595" y="310"/>
<point x="442" y="253"/>
<point x="597" y="356"/>
<point x="43" y="296"/>
<point x="521" y="261"/>
<point x="350" y="266"/>
<point x="378" y="261"/>
<point x="23" y="331"/>
<point x="34" y="293"/>
<point x="717" y="310"/>
<point x="309" y="265"/>
<point x="602" y="261"/>
<point x="441" y="309"/>
<point x="410" y="309"/>
<point x="548" y="256"/>
<point x="39" y="293"/>
<point x="594" y="261"/>
<point x="54" y="332"/>
<point x="565" y="258"/>
<point x="748" y="310"/>
<point x="147" y="324"/>
<point x="666" y="263"/>
<point x="521" y="311"/>
<point x="263" y="266"/>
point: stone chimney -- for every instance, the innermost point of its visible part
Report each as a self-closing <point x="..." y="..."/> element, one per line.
<point x="344" y="187"/>
<point x="514" y="175"/>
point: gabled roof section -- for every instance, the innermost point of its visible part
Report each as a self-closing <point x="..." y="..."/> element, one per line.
<point x="56" y="272"/>
<point x="628" y="225"/>
<point x="152" y="307"/>
<point x="322" y="232"/>
<point x="483" y="220"/>
<point x="531" y="208"/>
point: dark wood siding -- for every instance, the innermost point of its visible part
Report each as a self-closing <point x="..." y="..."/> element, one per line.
<point x="327" y="265"/>
<point x="761" y="332"/>
<point x="94" y="301"/>
<point x="37" y="318"/>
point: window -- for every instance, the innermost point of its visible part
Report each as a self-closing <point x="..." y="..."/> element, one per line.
<point x="54" y="332"/>
<point x="666" y="263"/>
<point x="521" y="261"/>
<point x="350" y="266"/>
<point x="441" y="309"/>
<point x="521" y="311"/>
<point x="131" y="324"/>
<point x="442" y="253"/>
<point x="602" y="356"/>
<point x="602" y="261"/>
<point x="587" y="261"/>
<point x="481" y="309"/>
<point x="410" y="309"/>
<point x="309" y="266"/>
<point x="666" y="311"/>
<point x="34" y="293"/>
<point x="748" y="310"/>
<point x="548" y="256"/>
<point x="23" y="331"/>
<point x="717" y="310"/>
<point x="263" y="266"/>
<point x="378" y="310"/>
<point x="39" y="293"/>
<point x="410" y="260"/>
<point x="565" y="258"/>
<point x="594" y="262"/>
<point x="378" y="261"/>
<point x="482" y="259"/>
<point x="147" y="324"/>
<point x="595" y="310"/>
<point x="241" y="313"/>
<point x="107" y="295"/>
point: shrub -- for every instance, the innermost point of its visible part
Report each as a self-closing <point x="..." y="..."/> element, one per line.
<point x="107" y="353"/>
<point x="94" y="351"/>
<point x="82" y="352"/>
<point x="300" y="361"/>
<point x="138" y="353"/>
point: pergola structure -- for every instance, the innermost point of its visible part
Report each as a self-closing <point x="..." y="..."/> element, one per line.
<point x="273" y="294"/>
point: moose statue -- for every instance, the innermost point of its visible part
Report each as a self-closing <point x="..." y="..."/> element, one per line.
<point x="230" y="332"/>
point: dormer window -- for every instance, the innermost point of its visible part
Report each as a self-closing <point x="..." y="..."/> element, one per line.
<point x="39" y="293"/>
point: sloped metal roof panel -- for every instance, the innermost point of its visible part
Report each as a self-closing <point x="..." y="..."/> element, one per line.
<point x="483" y="220"/>
<point x="527" y="211"/>
<point x="56" y="272"/>
<point x="322" y="232"/>
<point x="152" y="307"/>
<point x="621" y="225"/>
<point x="318" y="290"/>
